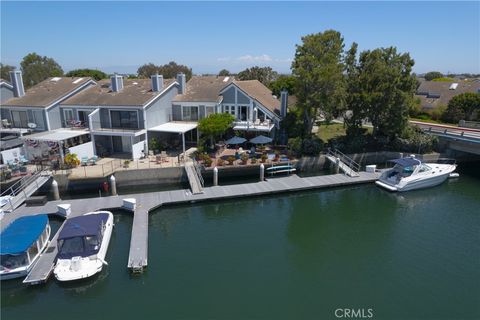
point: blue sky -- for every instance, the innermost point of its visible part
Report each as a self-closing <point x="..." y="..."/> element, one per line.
<point x="209" y="36"/>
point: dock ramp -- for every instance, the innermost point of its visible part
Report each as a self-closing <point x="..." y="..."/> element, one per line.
<point x="194" y="176"/>
<point x="346" y="164"/>
<point x="24" y="188"/>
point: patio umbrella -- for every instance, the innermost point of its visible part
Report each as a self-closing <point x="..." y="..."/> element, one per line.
<point x="235" y="140"/>
<point x="261" y="140"/>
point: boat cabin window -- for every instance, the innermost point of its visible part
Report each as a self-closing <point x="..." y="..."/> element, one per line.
<point x="33" y="250"/>
<point x="9" y="261"/>
<point x="71" y="245"/>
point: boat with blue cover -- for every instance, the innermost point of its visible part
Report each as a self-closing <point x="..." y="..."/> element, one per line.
<point x="82" y="245"/>
<point x="21" y="244"/>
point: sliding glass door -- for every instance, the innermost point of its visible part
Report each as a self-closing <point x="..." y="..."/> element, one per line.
<point x="124" y="119"/>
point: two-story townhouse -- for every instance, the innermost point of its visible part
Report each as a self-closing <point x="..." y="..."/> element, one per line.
<point x="37" y="108"/>
<point x="119" y="112"/>
<point x="251" y="103"/>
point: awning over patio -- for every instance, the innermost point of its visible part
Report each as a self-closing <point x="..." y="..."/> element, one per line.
<point x="55" y="135"/>
<point x="175" y="127"/>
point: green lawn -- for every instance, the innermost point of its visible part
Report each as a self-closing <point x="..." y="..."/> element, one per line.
<point x="326" y="132"/>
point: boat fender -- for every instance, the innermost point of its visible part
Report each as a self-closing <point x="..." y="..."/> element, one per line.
<point x="102" y="261"/>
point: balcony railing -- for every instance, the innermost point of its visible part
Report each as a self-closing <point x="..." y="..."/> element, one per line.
<point x="74" y="124"/>
<point x="98" y="126"/>
<point x="258" y="125"/>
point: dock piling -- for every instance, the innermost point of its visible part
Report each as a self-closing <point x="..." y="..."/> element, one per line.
<point x="215" y="176"/>
<point x="56" y="194"/>
<point x="262" y="172"/>
<point x="113" y="185"/>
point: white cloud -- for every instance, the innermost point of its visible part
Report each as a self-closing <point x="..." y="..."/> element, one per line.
<point x="250" y="58"/>
<point x="224" y="59"/>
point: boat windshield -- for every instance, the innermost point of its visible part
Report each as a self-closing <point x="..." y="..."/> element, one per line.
<point x="71" y="246"/>
<point x="83" y="246"/>
<point x="404" y="171"/>
<point x="10" y="261"/>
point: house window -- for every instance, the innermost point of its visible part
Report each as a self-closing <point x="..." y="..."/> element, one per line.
<point x="20" y="119"/>
<point x="209" y="111"/>
<point x="124" y="119"/>
<point x="68" y="116"/>
<point x="229" y="109"/>
<point x="190" y="113"/>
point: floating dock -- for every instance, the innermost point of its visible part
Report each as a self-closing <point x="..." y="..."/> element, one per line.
<point x="138" y="256"/>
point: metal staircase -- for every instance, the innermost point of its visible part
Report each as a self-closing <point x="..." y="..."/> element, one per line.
<point x="24" y="188"/>
<point x="344" y="162"/>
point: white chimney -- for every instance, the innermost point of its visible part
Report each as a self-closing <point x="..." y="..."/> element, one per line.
<point x="17" y="83"/>
<point x="117" y="83"/>
<point x="157" y="82"/>
<point x="182" y="81"/>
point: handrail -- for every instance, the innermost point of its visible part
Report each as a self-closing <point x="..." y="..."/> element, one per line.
<point x="13" y="190"/>
<point x="198" y="171"/>
<point x="352" y="164"/>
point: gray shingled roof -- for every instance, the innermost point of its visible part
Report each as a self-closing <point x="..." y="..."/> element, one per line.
<point x="203" y="89"/>
<point x="258" y="91"/>
<point x="135" y="92"/>
<point x="47" y="92"/>
<point x="428" y="91"/>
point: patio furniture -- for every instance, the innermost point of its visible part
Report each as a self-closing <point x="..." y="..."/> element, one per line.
<point x="257" y="122"/>
<point x="23" y="160"/>
<point x="6" y="124"/>
<point x="84" y="161"/>
<point x="93" y="160"/>
<point x="235" y="140"/>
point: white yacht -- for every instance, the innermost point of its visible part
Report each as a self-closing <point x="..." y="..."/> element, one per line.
<point x="411" y="173"/>
<point x="82" y="245"/>
<point x="22" y="242"/>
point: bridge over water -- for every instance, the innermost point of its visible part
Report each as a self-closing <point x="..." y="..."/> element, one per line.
<point x="458" y="138"/>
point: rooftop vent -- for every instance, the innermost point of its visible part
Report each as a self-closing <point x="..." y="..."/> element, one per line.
<point x="226" y="79"/>
<point x="56" y="79"/>
<point x="78" y="80"/>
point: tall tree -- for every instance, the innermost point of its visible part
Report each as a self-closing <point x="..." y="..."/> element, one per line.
<point x="318" y="67"/>
<point x="385" y="89"/>
<point x="263" y="74"/>
<point x="429" y="76"/>
<point x="5" y="71"/>
<point x="169" y="70"/>
<point x="36" y="68"/>
<point x="95" y="74"/>
<point x="224" y="73"/>
<point x="284" y="82"/>
<point x="465" y="106"/>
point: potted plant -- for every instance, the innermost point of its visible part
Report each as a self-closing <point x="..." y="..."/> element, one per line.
<point x="154" y="145"/>
<point x="207" y="161"/>
<point x="126" y="163"/>
<point x="220" y="162"/>
<point x="230" y="160"/>
<point x="263" y="158"/>
<point x="253" y="160"/>
<point x="71" y="160"/>
<point x="277" y="155"/>
<point x="244" y="158"/>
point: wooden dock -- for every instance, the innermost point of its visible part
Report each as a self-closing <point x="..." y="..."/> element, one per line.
<point x="138" y="256"/>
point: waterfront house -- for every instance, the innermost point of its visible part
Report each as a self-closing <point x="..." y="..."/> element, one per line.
<point x="118" y="112"/>
<point x="36" y="112"/>
<point x="251" y="103"/>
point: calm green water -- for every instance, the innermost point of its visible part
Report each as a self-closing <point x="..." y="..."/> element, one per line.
<point x="406" y="256"/>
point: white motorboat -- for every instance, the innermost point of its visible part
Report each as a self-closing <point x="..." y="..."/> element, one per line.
<point x="82" y="245"/>
<point x="411" y="173"/>
<point x="22" y="242"/>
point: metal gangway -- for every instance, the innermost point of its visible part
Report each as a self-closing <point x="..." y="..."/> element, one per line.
<point x="194" y="175"/>
<point x="344" y="162"/>
<point x="24" y="188"/>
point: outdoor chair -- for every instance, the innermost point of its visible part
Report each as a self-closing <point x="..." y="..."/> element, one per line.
<point x="23" y="160"/>
<point x="93" y="160"/>
<point x="257" y="122"/>
<point x="84" y="161"/>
